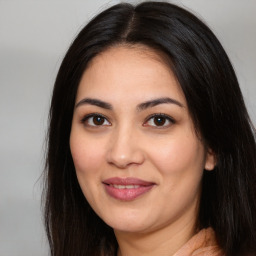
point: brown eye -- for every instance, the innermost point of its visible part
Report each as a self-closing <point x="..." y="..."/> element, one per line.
<point x="98" y="120"/>
<point x="159" y="121"/>
<point x="95" y="120"/>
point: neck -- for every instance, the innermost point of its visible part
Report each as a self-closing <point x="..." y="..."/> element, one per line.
<point x="164" y="241"/>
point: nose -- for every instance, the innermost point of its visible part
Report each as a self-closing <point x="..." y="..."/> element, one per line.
<point x="124" y="149"/>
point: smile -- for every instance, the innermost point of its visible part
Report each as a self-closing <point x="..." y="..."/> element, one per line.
<point x="126" y="189"/>
<point x="124" y="186"/>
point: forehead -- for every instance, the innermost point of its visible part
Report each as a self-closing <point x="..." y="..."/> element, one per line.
<point x="128" y="70"/>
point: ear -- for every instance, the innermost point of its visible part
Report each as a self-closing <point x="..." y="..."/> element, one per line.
<point x="210" y="160"/>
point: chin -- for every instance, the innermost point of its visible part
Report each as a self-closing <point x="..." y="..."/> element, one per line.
<point x="131" y="224"/>
<point x="127" y="228"/>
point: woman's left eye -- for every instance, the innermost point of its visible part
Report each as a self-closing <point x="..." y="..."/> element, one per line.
<point x="159" y="121"/>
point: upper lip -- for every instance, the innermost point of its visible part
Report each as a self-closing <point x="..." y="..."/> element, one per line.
<point x="127" y="181"/>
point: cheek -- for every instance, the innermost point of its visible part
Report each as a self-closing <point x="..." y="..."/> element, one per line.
<point x="180" y="164"/>
<point x="179" y="155"/>
<point x="87" y="155"/>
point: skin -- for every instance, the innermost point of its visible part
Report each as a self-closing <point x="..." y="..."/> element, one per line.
<point x="128" y="143"/>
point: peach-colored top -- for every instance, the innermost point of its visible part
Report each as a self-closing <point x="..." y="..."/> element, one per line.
<point x="202" y="244"/>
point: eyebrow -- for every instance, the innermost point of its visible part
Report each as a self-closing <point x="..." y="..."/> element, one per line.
<point x="94" y="102"/>
<point x="155" y="102"/>
<point x="140" y="107"/>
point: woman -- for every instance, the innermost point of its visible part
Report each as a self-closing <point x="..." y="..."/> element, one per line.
<point x="150" y="149"/>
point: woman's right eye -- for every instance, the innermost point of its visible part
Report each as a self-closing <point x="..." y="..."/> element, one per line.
<point x="95" y="120"/>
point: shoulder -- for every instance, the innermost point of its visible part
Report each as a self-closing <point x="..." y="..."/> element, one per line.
<point x="203" y="243"/>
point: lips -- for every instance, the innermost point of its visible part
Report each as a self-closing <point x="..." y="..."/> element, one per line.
<point x="127" y="189"/>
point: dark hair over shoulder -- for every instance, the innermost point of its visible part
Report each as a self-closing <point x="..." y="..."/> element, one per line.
<point x="215" y="102"/>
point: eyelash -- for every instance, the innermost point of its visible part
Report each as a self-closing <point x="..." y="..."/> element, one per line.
<point x="166" y="117"/>
<point x="171" y="121"/>
<point x="87" y="117"/>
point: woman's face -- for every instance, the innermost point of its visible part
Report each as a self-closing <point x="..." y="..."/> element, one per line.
<point x="137" y="158"/>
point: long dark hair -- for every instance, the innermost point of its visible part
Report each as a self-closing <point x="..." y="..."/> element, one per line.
<point x="206" y="76"/>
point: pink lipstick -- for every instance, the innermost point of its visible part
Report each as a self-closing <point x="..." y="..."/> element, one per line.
<point x="126" y="189"/>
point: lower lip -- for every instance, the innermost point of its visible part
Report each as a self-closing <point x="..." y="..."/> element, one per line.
<point x="127" y="194"/>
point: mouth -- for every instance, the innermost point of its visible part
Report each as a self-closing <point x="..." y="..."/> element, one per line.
<point x="127" y="189"/>
<point x="124" y="186"/>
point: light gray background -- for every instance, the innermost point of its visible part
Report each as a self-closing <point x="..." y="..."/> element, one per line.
<point x="34" y="36"/>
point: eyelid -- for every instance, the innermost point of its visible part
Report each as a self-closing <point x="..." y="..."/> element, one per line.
<point x="86" y="117"/>
<point x="169" y="118"/>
